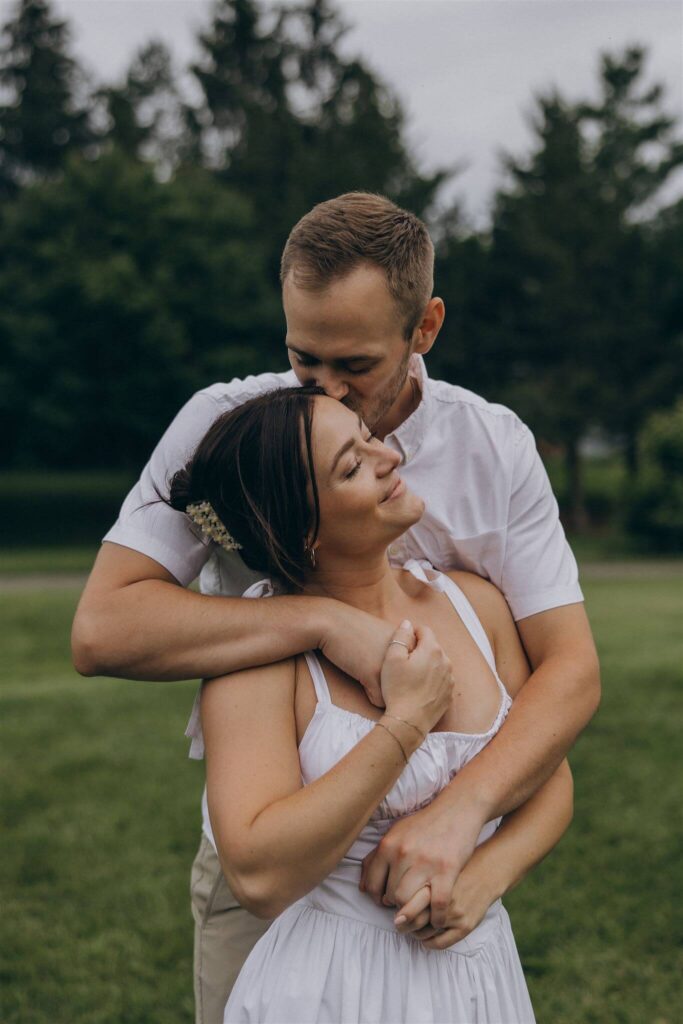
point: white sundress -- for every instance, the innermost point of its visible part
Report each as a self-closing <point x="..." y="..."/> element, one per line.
<point x="334" y="957"/>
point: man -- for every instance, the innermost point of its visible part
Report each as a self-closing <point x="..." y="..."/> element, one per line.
<point x="357" y="292"/>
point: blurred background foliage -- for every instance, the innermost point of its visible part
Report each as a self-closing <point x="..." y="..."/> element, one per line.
<point x="140" y="235"/>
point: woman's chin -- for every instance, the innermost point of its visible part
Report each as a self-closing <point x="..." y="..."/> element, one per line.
<point x="409" y="512"/>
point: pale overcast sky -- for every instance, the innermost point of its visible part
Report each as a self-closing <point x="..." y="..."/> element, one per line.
<point x="466" y="70"/>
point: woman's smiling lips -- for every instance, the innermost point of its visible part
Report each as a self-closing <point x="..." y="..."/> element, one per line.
<point x="395" y="492"/>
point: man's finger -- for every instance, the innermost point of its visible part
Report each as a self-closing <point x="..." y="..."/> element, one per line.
<point x="442" y="888"/>
<point x="365" y="864"/>
<point x="425" y="933"/>
<point x="375" y="878"/>
<point x="443" y="939"/>
<point x="404" y="881"/>
<point x="407" y="914"/>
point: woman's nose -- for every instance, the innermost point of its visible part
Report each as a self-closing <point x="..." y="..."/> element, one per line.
<point x="388" y="460"/>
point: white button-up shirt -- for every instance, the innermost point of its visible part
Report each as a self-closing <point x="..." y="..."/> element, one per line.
<point x="489" y="505"/>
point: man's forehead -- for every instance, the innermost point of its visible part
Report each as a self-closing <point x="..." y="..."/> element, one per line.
<point x="348" y="307"/>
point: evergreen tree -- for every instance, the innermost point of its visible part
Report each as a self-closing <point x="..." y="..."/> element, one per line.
<point x="633" y="149"/>
<point x="144" y="115"/>
<point x="42" y="119"/>
<point x="573" y="269"/>
<point x="291" y="122"/>
<point x="119" y="296"/>
<point x="545" y="253"/>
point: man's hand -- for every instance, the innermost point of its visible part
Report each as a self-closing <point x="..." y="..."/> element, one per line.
<point x="357" y="642"/>
<point x="430" y="847"/>
<point x="472" y="895"/>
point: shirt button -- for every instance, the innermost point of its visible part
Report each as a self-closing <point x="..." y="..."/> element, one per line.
<point x="393" y="549"/>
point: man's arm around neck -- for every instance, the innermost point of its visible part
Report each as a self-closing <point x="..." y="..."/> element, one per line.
<point x="135" y="621"/>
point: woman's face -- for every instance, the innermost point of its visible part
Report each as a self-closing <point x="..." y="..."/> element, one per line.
<point x="364" y="504"/>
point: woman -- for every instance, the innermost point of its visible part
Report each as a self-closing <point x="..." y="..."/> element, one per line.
<point x="305" y="775"/>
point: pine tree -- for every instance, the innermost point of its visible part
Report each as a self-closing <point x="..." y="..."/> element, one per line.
<point x="43" y="119"/>
<point x="291" y="122"/>
<point x="633" y="149"/>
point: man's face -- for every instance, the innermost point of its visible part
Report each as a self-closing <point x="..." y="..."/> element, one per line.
<point x="348" y="339"/>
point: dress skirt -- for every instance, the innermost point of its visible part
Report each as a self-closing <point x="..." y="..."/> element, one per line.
<point x="334" y="957"/>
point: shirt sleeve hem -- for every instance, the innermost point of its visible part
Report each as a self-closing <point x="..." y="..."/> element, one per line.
<point x="524" y="605"/>
<point x="184" y="571"/>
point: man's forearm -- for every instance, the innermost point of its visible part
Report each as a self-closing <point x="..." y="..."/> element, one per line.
<point x="546" y="717"/>
<point x="526" y="835"/>
<point x="157" y="630"/>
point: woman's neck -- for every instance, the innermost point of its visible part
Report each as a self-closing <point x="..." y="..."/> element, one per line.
<point x="374" y="588"/>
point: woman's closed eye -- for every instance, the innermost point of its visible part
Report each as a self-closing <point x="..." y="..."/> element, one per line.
<point x="359" y="462"/>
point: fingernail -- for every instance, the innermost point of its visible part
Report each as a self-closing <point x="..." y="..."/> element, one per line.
<point x="406" y="624"/>
<point x="401" y="919"/>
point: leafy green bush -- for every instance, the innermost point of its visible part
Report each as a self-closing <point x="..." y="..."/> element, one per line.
<point x="654" y="509"/>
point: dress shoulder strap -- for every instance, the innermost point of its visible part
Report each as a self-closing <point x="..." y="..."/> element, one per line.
<point x="322" y="691"/>
<point x="470" y="618"/>
<point x="423" y="570"/>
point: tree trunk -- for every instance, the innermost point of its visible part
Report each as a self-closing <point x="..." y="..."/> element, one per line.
<point x="577" y="517"/>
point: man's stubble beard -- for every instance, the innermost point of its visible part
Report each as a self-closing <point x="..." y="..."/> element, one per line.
<point x="374" y="414"/>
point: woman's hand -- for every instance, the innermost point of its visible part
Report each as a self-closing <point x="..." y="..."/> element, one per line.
<point x="473" y="894"/>
<point x="416" y="677"/>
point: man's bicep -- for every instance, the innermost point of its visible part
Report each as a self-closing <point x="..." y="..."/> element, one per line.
<point x="117" y="566"/>
<point x="558" y="631"/>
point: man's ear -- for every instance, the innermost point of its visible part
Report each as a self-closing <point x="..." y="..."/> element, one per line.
<point x="430" y="325"/>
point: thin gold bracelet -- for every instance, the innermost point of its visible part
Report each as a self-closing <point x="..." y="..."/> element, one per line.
<point x="422" y="735"/>
<point x="387" y="729"/>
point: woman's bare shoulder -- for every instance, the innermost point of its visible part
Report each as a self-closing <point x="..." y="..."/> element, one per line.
<point x="486" y="599"/>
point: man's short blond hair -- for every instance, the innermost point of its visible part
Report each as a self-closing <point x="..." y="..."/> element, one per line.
<point x="341" y="234"/>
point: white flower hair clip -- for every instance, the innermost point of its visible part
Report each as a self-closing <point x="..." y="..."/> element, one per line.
<point x="202" y="513"/>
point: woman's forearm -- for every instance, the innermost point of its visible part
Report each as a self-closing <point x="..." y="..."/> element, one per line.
<point x="527" y="834"/>
<point x="294" y="843"/>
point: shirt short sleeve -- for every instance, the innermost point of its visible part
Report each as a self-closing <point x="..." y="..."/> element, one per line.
<point x="145" y="522"/>
<point x="539" y="569"/>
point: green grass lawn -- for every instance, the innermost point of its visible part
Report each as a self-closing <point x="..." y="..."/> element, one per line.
<point x="101" y="822"/>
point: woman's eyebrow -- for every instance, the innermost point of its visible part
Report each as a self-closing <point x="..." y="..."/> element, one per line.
<point x="344" y="448"/>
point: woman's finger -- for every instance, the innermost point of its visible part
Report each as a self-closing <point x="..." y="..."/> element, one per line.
<point x="407" y="914"/>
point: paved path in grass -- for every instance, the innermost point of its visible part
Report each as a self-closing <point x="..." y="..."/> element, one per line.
<point x="33" y="582"/>
<point x="11" y="583"/>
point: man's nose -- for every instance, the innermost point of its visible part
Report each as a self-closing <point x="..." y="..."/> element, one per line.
<point x="333" y="385"/>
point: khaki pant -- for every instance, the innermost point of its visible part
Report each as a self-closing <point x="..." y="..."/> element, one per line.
<point x="224" y="935"/>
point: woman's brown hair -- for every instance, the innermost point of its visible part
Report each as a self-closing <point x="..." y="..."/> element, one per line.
<point x="255" y="466"/>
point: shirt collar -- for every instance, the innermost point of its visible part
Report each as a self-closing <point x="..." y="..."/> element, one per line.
<point x="410" y="434"/>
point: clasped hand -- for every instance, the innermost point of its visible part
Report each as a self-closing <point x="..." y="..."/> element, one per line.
<point x="430" y="877"/>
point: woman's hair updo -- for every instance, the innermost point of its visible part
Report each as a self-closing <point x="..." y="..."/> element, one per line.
<point x="255" y="467"/>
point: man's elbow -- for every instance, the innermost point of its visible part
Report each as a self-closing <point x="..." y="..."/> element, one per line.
<point x="89" y="654"/>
